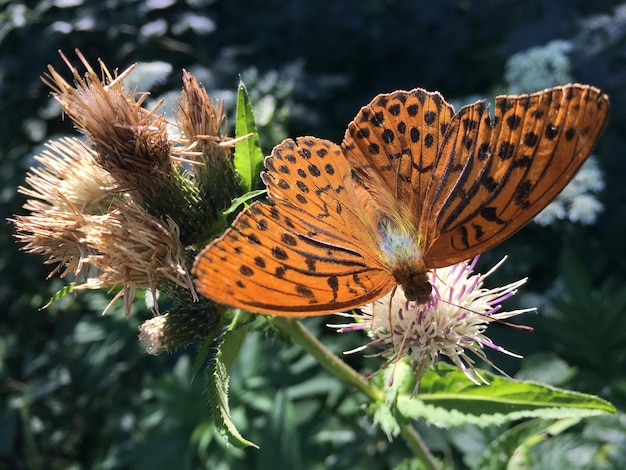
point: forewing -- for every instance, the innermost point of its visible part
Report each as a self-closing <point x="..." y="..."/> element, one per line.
<point x="309" y="253"/>
<point x="493" y="176"/>
<point x="392" y="144"/>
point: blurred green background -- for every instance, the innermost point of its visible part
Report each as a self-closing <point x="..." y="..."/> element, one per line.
<point x="77" y="389"/>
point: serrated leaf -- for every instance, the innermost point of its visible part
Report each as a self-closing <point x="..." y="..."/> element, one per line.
<point x="217" y="387"/>
<point x="248" y="153"/>
<point x="203" y="353"/>
<point x="383" y="412"/>
<point x="447" y="398"/>
<point x="233" y="339"/>
<point x="68" y="289"/>
<point x="382" y="416"/>
<point x="224" y="425"/>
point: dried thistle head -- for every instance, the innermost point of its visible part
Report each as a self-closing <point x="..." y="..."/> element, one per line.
<point x="133" y="145"/>
<point x="203" y="128"/>
<point x="66" y="187"/>
<point x="130" y="247"/>
<point x="68" y="173"/>
<point x="130" y="142"/>
<point x="87" y="228"/>
<point x="120" y="210"/>
<point x="202" y="121"/>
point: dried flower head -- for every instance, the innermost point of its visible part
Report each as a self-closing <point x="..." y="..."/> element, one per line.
<point x="66" y="187"/>
<point x="129" y="247"/>
<point x="67" y="174"/>
<point x="130" y="142"/>
<point x="203" y="128"/>
<point x="451" y="324"/>
<point x="100" y="235"/>
<point x="120" y="210"/>
<point x="202" y="122"/>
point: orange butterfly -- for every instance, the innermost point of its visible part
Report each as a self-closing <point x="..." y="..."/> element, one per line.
<point x="413" y="187"/>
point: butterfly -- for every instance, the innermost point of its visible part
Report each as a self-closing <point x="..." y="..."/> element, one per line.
<point x="414" y="186"/>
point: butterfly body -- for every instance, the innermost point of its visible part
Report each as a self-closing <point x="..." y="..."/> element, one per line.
<point x="413" y="187"/>
<point x="402" y="254"/>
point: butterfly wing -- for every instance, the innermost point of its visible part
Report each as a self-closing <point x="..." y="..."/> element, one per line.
<point x="309" y="253"/>
<point x="493" y="176"/>
<point x="393" y="143"/>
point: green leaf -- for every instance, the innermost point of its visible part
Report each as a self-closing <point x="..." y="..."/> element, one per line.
<point x="217" y="385"/>
<point x="234" y="337"/>
<point x="609" y="435"/>
<point x="447" y="398"/>
<point x="383" y="416"/>
<point x="222" y="219"/>
<point x="68" y="289"/>
<point x="203" y="353"/>
<point x="416" y="464"/>
<point x="248" y="153"/>
<point x="238" y="201"/>
<point x="383" y="413"/>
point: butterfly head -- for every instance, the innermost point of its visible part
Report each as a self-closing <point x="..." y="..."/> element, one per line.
<point x="413" y="278"/>
<point x="417" y="288"/>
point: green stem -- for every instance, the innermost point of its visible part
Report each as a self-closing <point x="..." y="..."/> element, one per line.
<point x="337" y="367"/>
<point x="414" y="441"/>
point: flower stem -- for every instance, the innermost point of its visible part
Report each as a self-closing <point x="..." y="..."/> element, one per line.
<point x="337" y="367"/>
